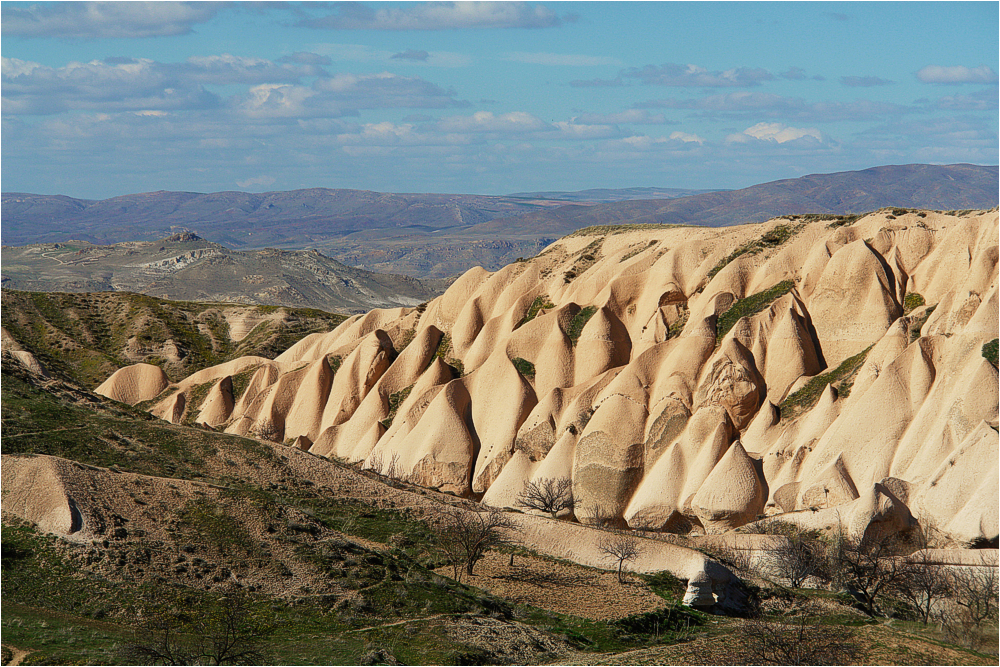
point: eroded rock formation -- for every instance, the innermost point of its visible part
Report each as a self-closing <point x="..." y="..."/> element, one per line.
<point x="613" y="359"/>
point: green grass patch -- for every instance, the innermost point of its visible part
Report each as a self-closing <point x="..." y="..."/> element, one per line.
<point x="443" y="353"/>
<point x="524" y="367"/>
<point x="770" y="239"/>
<point x="750" y="306"/>
<point x="82" y="337"/>
<point x="215" y="526"/>
<point x="395" y="400"/>
<point x="579" y="320"/>
<point x="990" y="351"/>
<point x="666" y="585"/>
<point x="540" y="303"/>
<point x="841" y="377"/>
<point x="584" y="260"/>
<point x="195" y="397"/>
<point x="675" y="329"/>
<point x="911" y="302"/>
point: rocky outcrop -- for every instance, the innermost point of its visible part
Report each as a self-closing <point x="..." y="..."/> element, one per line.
<point x="680" y="386"/>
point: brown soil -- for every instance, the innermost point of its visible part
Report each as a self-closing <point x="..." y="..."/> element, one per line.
<point x="562" y="587"/>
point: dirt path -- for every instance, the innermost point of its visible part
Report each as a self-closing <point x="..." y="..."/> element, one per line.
<point x="403" y="622"/>
<point x="18" y="655"/>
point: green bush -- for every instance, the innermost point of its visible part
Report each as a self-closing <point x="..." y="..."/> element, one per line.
<point x="524" y="367"/>
<point x="990" y="352"/>
<point x="395" y="400"/>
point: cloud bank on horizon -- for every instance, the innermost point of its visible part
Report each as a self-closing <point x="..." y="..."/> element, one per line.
<point x="108" y="98"/>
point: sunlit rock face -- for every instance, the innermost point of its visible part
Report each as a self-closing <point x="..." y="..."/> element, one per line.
<point x="677" y="390"/>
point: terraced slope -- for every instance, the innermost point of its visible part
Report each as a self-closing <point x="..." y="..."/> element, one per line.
<point x="824" y="398"/>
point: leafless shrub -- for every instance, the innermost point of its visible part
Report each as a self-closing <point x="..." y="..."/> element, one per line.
<point x="969" y="616"/>
<point x="870" y="569"/>
<point x="548" y="495"/>
<point x="266" y="429"/>
<point x="799" y="556"/>
<point x="620" y="547"/>
<point x="791" y="636"/>
<point x="392" y="471"/>
<point x="230" y="630"/>
<point x="923" y="583"/>
<point x="975" y="590"/>
<point x="464" y="537"/>
<point x="601" y="516"/>
<point x="376" y="463"/>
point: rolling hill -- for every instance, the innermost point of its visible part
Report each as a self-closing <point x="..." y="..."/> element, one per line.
<point x="189" y="268"/>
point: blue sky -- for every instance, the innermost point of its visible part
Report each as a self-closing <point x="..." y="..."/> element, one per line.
<point x="102" y="99"/>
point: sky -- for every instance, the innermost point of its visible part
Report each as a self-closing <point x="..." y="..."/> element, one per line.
<point x="104" y="99"/>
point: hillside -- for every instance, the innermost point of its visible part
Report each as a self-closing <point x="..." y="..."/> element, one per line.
<point x="114" y="522"/>
<point x="439" y="236"/>
<point x="84" y="338"/>
<point x="687" y="380"/>
<point x="189" y="268"/>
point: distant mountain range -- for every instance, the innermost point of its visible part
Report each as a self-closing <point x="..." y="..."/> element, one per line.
<point x="436" y="236"/>
<point x="610" y="195"/>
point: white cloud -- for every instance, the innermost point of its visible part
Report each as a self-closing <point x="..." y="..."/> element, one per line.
<point x="256" y="181"/>
<point x="775" y="132"/>
<point x="864" y="81"/>
<point x="102" y="20"/>
<point x="436" y="16"/>
<point x="754" y="104"/>
<point x="959" y="74"/>
<point x="686" y="137"/>
<point x="486" y="121"/>
<point x="130" y="84"/>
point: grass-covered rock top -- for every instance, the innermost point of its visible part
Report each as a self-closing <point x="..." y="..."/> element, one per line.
<point x="750" y="306"/>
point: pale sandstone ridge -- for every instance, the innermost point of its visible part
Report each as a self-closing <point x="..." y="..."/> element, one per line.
<point x="602" y="360"/>
<point x="134" y="384"/>
<point x="26" y="359"/>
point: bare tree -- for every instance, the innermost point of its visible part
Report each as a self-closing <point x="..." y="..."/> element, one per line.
<point x="798" y="557"/>
<point x="548" y="495"/>
<point x="968" y="617"/>
<point x="975" y="590"/>
<point x="620" y="547"/>
<point x="923" y="582"/>
<point x="870" y="569"/>
<point x="790" y="636"/>
<point x="466" y="536"/>
<point x="230" y="630"/>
